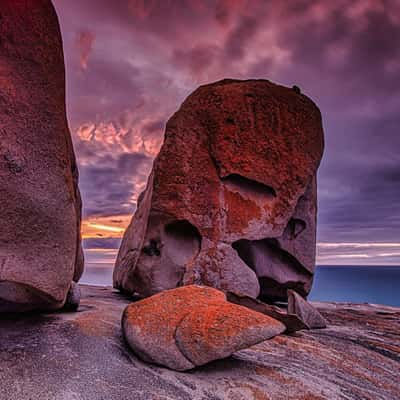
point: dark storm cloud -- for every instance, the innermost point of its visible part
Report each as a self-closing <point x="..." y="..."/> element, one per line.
<point x="235" y="46"/>
<point x="148" y="56"/>
<point x="110" y="184"/>
<point x="351" y="57"/>
<point x="104" y="90"/>
<point x="365" y="205"/>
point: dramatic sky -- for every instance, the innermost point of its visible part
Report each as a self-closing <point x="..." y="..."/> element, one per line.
<point x="130" y="63"/>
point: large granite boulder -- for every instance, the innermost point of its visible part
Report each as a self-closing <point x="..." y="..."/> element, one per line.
<point x="191" y="326"/>
<point x="231" y="200"/>
<point x="40" y="250"/>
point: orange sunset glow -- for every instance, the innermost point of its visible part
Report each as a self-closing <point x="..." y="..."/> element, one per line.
<point x="110" y="227"/>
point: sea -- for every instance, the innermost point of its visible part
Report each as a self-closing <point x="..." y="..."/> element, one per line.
<point x="344" y="283"/>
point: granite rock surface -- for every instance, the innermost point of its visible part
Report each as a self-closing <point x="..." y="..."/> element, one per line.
<point x="83" y="356"/>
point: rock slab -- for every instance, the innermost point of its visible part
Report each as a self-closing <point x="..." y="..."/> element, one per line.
<point x="231" y="200"/>
<point x="40" y="250"/>
<point x="83" y="356"/>
<point x="191" y="326"/>
<point x="304" y="311"/>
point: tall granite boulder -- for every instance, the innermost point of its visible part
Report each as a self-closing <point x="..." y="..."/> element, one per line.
<point x="231" y="199"/>
<point x="40" y="249"/>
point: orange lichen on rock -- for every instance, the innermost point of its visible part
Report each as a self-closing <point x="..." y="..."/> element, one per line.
<point x="239" y="211"/>
<point x="192" y="325"/>
<point x="216" y="331"/>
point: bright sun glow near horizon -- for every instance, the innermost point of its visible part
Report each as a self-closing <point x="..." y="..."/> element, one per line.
<point x="328" y="253"/>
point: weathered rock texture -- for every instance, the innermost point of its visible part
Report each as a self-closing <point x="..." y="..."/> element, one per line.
<point x="40" y="251"/>
<point x="231" y="200"/>
<point x="304" y="311"/>
<point x="82" y="356"/>
<point x="191" y="326"/>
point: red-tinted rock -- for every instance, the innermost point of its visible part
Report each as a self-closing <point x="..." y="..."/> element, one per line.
<point x="213" y="332"/>
<point x="192" y="325"/>
<point x="231" y="200"/>
<point x="40" y="251"/>
<point x="305" y="311"/>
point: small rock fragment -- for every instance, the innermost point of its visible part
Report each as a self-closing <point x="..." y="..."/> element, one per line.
<point x="305" y="311"/>
<point x="192" y="325"/>
<point x="296" y="89"/>
<point x="73" y="298"/>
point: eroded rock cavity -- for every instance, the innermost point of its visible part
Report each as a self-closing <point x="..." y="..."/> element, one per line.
<point x="40" y="250"/>
<point x="231" y="200"/>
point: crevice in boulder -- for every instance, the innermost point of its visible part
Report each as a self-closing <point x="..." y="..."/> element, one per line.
<point x="153" y="248"/>
<point x="276" y="269"/>
<point x="272" y="290"/>
<point x="242" y="184"/>
<point x="294" y="228"/>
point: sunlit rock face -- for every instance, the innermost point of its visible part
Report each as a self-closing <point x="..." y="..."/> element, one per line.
<point x="231" y="200"/>
<point x="40" y="250"/>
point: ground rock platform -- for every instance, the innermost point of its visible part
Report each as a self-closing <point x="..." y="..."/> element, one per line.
<point x="82" y="356"/>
